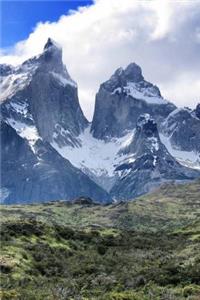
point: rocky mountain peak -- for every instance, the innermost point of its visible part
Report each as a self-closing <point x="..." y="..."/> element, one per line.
<point x="146" y="138"/>
<point x="45" y="96"/>
<point x="122" y="99"/>
<point x="147" y="125"/>
<point x="150" y="165"/>
<point x="133" y="73"/>
<point x="51" y="58"/>
<point x="182" y="128"/>
<point x="121" y="77"/>
<point x="51" y="43"/>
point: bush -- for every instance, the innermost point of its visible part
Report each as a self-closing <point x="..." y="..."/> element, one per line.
<point x="191" y="290"/>
<point x="101" y="249"/>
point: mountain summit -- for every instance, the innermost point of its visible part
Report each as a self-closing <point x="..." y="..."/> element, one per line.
<point x="151" y="166"/>
<point x="136" y="141"/>
<point x="39" y="105"/>
<point x="122" y="99"/>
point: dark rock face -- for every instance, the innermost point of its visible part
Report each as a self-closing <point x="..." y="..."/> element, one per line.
<point x="41" y="175"/>
<point x="122" y="99"/>
<point x="153" y="164"/>
<point x="39" y="105"/>
<point x="40" y="110"/>
<point x="183" y="127"/>
<point x="50" y="97"/>
<point x="5" y="69"/>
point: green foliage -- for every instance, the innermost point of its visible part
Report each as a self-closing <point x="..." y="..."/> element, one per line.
<point x="143" y="250"/>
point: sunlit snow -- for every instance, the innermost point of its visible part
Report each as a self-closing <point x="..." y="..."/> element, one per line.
<point x="148" y="94"/>
<point x="98" y="156"/>
<point x="25" y="131"/>
<point x="187" y="158"/>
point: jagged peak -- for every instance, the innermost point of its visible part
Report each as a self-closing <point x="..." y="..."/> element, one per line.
<point x="51" y="43"/>
<point x="119" y="71"/>
<point x="143" y="119"/>
<point x="52" y="53"/>
<point x="133" y="72"/>
<point x="147" y="125"/>
<point x="146" y="138"/>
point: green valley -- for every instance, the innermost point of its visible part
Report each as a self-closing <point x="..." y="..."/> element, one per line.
<point x="147" y="249"/>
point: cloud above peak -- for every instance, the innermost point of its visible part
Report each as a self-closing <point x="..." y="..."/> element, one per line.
<point x="161" y="36"/>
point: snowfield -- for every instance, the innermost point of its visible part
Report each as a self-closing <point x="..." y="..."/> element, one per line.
<point x="98" y="156"/>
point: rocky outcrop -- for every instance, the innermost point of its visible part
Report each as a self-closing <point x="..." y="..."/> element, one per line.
<point x="42" y="92"/>
<point x="40" y="175"/>
<point x="39" y="105"/>
<point x="182" y="127"/>
<point x="152" y="166"/>
<point x="121" y="100"/>
<point x="50" y="151"/>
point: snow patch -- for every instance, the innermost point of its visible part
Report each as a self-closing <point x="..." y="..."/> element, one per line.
<point x="189" y="159"/>
<point x="63" y="80"/>
<point x="154" y="160"/>
<point x="99" y="156"/>
<point x="147" y="94"/>
<point x="154" y="144"/>
<point x="11" y="84"/>
<point x="28" y="132"/>
<point x="20" y="108"/>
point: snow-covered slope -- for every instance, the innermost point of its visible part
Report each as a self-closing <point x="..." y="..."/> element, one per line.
<point x="68" y="156"/>
<point x="97" y="158"/>
<point x="39" y="104"/>
<point x="144" y="92"/>
<point x="152" y="166"/>
<point x="180" y="132"/>
<point x="40" y="92"/>
<point x="190" y="159"/>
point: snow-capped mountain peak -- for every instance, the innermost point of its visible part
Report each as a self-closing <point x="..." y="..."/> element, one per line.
<point x="51" y="43"/>
<point x="122" y="99"/>
<point x="61" y="155"/>
<point x="153" y="164"/>
<point x="98" y="158"/>
<point x="44" y="89"/>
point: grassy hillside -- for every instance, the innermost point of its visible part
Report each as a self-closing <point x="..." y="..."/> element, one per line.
<point x="146" y="249"/>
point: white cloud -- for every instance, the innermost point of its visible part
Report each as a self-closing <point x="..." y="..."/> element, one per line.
<point x="161" y="36"/>
<point x="186" y="87"/>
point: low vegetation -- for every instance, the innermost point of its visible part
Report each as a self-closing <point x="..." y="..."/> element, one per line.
<point x="148" y="249"/>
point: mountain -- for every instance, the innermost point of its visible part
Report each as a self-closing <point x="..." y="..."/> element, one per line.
<point x="50" y="151"/>
<point x="152" y="164"/>
<point x="181" y="134"/>
<point x="122" y="99"/>
<point x="40" y="94"/>
<point x="39" y="105"/>
<point x="41" y="174"/>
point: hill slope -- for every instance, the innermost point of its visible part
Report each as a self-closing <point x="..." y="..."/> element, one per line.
<point x="146" y="249"/>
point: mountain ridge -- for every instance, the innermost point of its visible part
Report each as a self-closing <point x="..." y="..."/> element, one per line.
<point x="39" y="100"/>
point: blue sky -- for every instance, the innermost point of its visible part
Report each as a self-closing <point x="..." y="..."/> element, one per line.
<point x="19" y="18"/>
